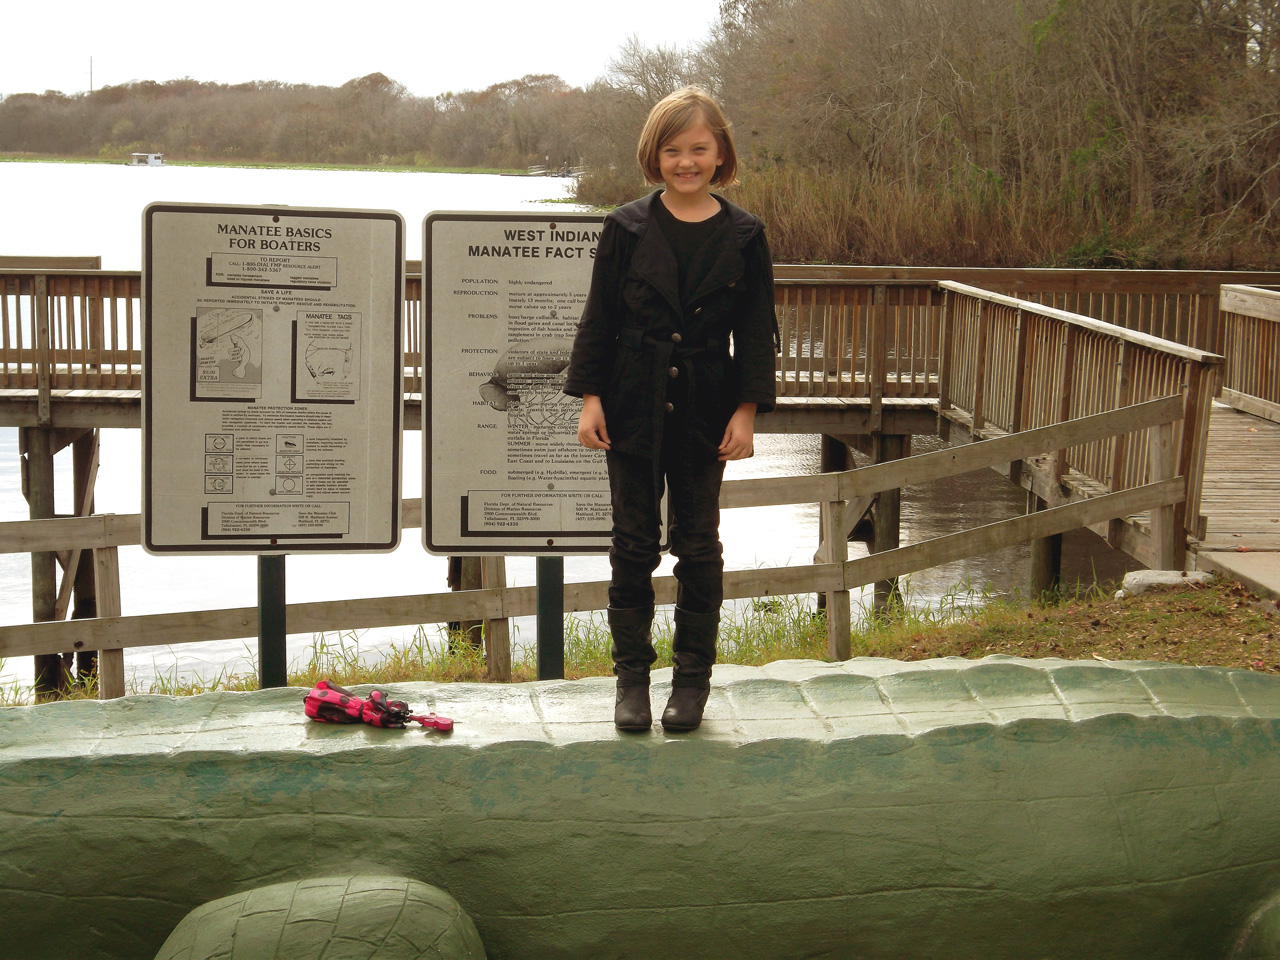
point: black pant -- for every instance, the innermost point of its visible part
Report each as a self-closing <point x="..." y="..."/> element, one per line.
<point x="693" y="484"/>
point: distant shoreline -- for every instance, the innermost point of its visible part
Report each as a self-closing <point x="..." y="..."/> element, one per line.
<point x="266" y="165"/>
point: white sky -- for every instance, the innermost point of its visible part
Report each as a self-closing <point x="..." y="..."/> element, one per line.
<point x="431" y="47"/>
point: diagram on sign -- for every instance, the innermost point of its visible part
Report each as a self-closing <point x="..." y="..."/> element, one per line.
<point x="219" y="463"/>
<point x="527" y="384"/>
<point x="227" y="352"/>
<point x="327" y="360"/>
<point x="289" y="464"/>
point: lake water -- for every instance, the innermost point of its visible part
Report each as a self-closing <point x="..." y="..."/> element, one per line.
<point x="96" y="209"/>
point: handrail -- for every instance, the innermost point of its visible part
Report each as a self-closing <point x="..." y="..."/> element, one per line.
<point x="1251" y="320"/>
<point x="1087" y="323"/>
<point x="125" y="529"/>
<point x="834" y="574"/>
<point x="1011" y="365"/>
<point x="95" y="316"/>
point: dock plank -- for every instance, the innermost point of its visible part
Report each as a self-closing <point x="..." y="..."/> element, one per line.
<point x="1241" y="493"/>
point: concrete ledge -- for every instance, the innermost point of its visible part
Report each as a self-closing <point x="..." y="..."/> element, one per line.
<point x="1258" y="571"/>
<point x="1000" y="808"/>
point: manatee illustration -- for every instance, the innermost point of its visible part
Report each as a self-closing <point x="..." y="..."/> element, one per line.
<point x="545" y="356"/>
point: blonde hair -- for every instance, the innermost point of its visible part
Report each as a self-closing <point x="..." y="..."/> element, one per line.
<point x="672" y="116"/>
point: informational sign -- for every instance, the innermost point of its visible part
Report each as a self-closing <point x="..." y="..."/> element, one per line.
<point x="272" y="379"/>
<point x="503" y="470"/>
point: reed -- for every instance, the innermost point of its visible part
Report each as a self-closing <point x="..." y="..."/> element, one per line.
<point x="967" y="218"/>
<point x="842" y="216"/>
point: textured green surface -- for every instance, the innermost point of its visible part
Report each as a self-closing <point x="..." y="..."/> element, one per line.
<point x="993" y="809"/>
<point x="328" y="918"/>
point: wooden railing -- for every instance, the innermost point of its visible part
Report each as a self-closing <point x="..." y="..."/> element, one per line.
<point x="1010" y="366"/>
<point x="1251" y="321"/>
<point x="1177" y="305"/>
<point x="1106" y="426"/>
<point x="74" y="330"/>
<point x="858" y="338"/>
<point x="844" y="497"/>
<point x="861" y="332"/>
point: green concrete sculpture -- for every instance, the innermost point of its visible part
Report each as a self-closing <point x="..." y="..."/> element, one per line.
<point x="1260" y="939"/>
<point x="334" y="918"/>
<point x="1001" y="809"/>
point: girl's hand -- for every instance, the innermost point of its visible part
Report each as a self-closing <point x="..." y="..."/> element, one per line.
<point x="738" y="442"/>
<point x="591" y="429"/>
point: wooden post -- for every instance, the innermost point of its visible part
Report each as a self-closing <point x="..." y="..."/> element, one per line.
<point x="37" y="487"/>
<point x="835" y="549"/>
<point x="464" y="574"/>
<point x="877" y="348"/>
<point x="1208" y="333"/>
<point x="110" y="660"/>
<point x="1046" y="559"/>
<point x="1165" y="529"/>
<point x="980" y="372"/>
<point x="1120" y="446"/>
<point x="946" y="347"/>
<point x="834" y="456"/>
<point x="1202" y="385"/>
<point x="888" y="517"/>
<point x="1021" y="374"/>
<point x="1066" y="382"/>
<point x="44" y="355"/>
<point x="497" y="631"/>
<point x="84" y="453"/>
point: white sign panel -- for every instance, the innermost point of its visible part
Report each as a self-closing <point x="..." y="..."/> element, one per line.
<point x="272" y="379"/>
<point x="503" y="470"/>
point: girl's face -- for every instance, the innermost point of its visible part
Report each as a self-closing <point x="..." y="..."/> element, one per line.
<point x="688" y="161"/>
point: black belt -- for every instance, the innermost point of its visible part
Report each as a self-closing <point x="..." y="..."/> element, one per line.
<point x="636" y="339"/>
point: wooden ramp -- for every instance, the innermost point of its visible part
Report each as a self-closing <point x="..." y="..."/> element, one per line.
<point x="1241" y="501"/>
<point x="1241" y="495"/>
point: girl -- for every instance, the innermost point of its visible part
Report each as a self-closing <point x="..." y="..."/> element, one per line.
<point x="673" y="359"/>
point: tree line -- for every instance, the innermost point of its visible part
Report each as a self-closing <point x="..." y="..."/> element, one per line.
<point x="1054" y="132"/>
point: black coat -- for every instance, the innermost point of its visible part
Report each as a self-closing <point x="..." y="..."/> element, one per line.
<point x="634" y="331"/>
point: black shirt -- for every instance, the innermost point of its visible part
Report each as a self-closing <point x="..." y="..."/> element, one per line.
<point x="686" y="238"/>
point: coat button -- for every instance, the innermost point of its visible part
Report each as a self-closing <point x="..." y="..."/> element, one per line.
<point x="670" y="407"/>
<point x="673" y="372"/>
<point x="676" y="338"/>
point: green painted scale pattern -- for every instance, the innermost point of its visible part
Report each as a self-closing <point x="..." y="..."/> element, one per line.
<point x="1000" y="808"/>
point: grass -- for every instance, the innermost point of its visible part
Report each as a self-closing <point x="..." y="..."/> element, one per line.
<point x="1220" y="624"/>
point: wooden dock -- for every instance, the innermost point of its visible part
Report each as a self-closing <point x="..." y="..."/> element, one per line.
<point x="1241" y="499"/>
<point x="1241" y="496"/>
<point x="1105" y="426"/>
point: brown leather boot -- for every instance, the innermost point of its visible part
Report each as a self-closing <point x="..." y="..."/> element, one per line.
<point x="684" y="708"/>
<point x="631" y="709"/>
<point x="694" y="651"/>
<point x="633" y="655"/>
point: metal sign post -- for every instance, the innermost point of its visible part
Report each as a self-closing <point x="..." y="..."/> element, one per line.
<point x="272" y="658"/>
<point x="550" y="573"/>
